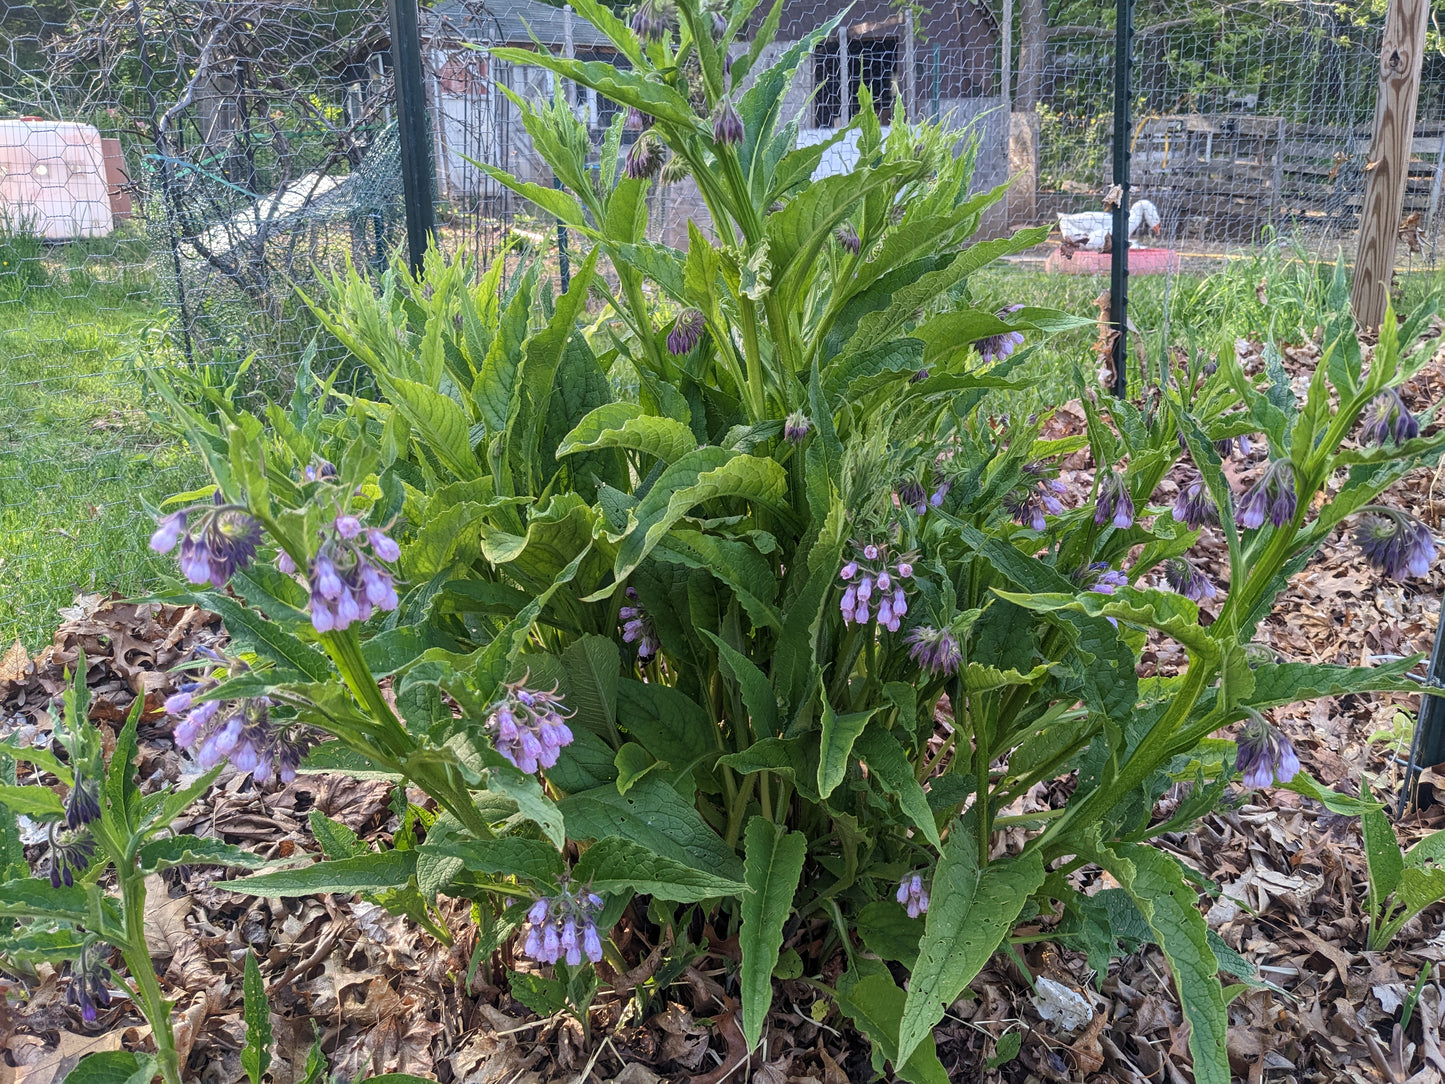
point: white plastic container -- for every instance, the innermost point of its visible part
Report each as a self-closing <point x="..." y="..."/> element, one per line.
<point x="52" y="179"/>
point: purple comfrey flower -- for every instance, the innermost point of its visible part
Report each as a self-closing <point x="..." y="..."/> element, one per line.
<point x="1273" y="498"/>
<point x="652" y="19"/>
<point x="87" y="984"/>
<point x="913" y="895"/>
<point x="240" y="731"/>
<point x="564" y="927"/>
<point x="637" y="628"/>
<point x="644" y="157"/>
<point x="998" y="347"/>
<point x="347" y="584"/>
<point x="1114" y="503"/>
<point x="727" y="126"/>
<point x="1264" y="755"/>
<point x="1388" y="419"/>
<point x="527" y="726"/>
<point x="686" y="333"/>
<point x="1103" y="580"/>
<point x="796" y="427"/>
<point x="847" y="236"/>
<point x="1396" y="543"/>
<point x="284" y="564"/>
<point x="1194" y="507"/>
<point x="1182" y="577"/>
<point x="878" y="591"/>
<point x="320" y="471"/>
<point x="69" y="855"/>
<point x="935" y="499"/>
<point x="215" y="540"/>
<point x="934" y="650"/>
<point x="1225" y="447"/>
<point x="918" y="377"/>
<point x="348" y="526"/>
<point x="911" y="494"/>
<point x="636" y="119"/>
<point x="1028" y="507"/>
<point x="82" y="804"/>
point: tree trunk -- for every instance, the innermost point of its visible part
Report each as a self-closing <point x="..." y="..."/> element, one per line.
<point x="1024" y="120"/>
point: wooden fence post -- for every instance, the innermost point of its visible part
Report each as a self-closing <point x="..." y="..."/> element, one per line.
<point x="1388" y="167"/>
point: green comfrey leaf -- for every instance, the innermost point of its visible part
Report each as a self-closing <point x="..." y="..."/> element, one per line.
<point x="654" y="815"/>
<point x="545" y="997"/>
<point x="36" y="801"/>
<point x="591" y="671"/>
<point x="703" y="475"/>
<point x="113" y="1067"/>
<point x="632" y="763"/>
<point x="1383" y="856"/>
<point x="876" y="1006"/>
<point x="256" y="1054"/>
<point x="795" y="759"/>
<point x="757" y="692"/>
<point x="624" y="87"/>
<point x="624" y="425"/>
<point x="367" y="873"/>
<point x="734" y="563"/>
<point x="534" y="860"/>
<point x="1162" y="610"/>
<point x="616" y="866"/>
<point x="888" y="932"/>
<point x="971" y="911"/>
<point x="773" y="864"/>
<point x="336" y="839"/>
<point x="1157" y="885"/>
<point x="168" y="851"/>
<point x="889" y="767"/>
<point x="839" y="732"/>
<point x="32" y="897"/>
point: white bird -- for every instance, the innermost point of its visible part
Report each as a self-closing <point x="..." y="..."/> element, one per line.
<point x="1094" y="230"/>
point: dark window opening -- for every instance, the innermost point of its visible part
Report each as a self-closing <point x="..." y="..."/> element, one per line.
<point x="872" y="63"/>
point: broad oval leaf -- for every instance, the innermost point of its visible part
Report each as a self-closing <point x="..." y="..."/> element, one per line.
<point x="614" y="866"/>
<point x="623" y="425"/>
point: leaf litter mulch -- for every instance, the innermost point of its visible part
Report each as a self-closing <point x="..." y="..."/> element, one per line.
<point x="384" y="995"/>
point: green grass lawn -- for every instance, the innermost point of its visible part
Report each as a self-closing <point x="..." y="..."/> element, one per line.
<point x="77" y="451"/>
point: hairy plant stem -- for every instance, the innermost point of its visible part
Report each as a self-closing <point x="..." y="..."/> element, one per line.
<point x="738" y="810"/>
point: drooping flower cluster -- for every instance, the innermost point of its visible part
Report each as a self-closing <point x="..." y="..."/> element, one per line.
<point x="796" y="427"/>
<point x="636" y="119"/>
<point x="1273" y="498"/>
<point x="1194" y="507"/>
<point x="1038" y="495"/>
<point x="1102" y="579"/>
<point x="913" y="895"/>
<point x="878" y="590"/>
<point x="1114" y="504"/>
<point x="847" y="236"/>
<point x="644" y="157"/>
<point x="997" y="347"/>
<point x="1388" y="419"/>
<point x="1183" y="577"/>
<point x="347" y="581"/>
<point x="686" y="332"/>
<point x="70" y="854"/>
<point x="637" y="628"/>
<point x="1396" y="543"/>
<point x="1226" y="447"/>
<point x="934" y="650"/>
<point x="240" y="731"/>
<point x="652" y="19"/>
<point x="913" y="494"/>
<point x="727" y="126"/>
<point x="215" y="540"/>
<point x="564" y="927"/>
<point x="82" y="804"/>
<point x="88" y="990"/>
<point x="528" y="726"/>
<point x="1264" y="755"/>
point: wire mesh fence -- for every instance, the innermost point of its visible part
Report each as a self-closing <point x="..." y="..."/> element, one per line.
<point x="171" y="171"/>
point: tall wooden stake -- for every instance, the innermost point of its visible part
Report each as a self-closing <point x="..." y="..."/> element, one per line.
<point x="1388" y="167"/>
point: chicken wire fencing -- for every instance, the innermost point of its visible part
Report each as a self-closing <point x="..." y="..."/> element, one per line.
<point x="171" y="171"/>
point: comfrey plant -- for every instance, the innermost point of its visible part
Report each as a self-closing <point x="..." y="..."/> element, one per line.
<point x="707" y="645"/>
<point x="85" y="904"/>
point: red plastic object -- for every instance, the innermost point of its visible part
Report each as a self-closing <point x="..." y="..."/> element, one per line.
<point x="1142" y="261"/>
